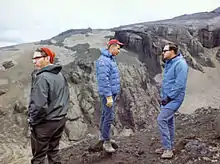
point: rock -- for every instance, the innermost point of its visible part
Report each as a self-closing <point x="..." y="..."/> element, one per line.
<point x="4" y="86"/>
<point x="206" y="159"/>
<point x="143" y="44"/>
<point x="2" y="112"/>
<point x="197" y="148"/>
<point x="20" y="120"/>
<point x="217" y="10"/>
<point x="217" y="56"/>
<point x="126" y="132"/>
<point x="209" y="37"/>
<point x="217" y="125"/>
<point x="2" y="68"/>
<point x="76" y="130"/>
<point x="3" y="91"/>
<point x="19" y="107"/>
<point x="85" y="101"/>
<point x="74" y="112"/>
<point x="8" y="64"/>
<point x="75" y="78"/>
<point x="81" y="47"/>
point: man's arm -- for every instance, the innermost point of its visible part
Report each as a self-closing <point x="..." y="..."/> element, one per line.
<point x="103" y="75"/>
<point x="38" y="101"/>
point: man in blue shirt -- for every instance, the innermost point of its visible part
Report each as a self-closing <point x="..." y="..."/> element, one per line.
<point x="107" y="74"/>
<point x="172" y="96"/>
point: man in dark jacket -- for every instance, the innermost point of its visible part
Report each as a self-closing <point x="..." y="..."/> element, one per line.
<point x="172" y="96"/>
<point x="107" y="74"/>
<point x="48" y="107"/>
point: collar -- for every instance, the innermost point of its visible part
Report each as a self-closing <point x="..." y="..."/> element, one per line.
<point x="173" y="59"/>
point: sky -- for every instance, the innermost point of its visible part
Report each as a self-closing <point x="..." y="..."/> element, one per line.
<point x="24" y="21"/>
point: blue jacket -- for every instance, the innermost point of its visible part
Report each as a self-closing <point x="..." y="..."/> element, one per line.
<point x="107" y="74"/>
<point x="174" y="82"/>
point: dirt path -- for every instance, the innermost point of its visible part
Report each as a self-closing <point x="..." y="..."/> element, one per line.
<point x="197" y="144"/>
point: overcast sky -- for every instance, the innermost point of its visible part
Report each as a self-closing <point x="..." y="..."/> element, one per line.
<point x="32" y="20"/>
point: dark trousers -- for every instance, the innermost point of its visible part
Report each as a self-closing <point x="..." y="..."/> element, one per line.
<point x="45" y="139"/>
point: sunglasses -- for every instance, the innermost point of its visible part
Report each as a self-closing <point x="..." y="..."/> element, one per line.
<point x="38" y="57"/>
<point x="165" y="51"/>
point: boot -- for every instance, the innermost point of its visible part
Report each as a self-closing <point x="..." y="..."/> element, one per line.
<point x="107" y="146"/>
<point x="113" y="142"/>
<point x="161" y="150"/>
<point x="167" y="154"/>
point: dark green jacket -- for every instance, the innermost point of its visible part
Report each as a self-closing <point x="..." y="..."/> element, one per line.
<point x="49" y="98"/>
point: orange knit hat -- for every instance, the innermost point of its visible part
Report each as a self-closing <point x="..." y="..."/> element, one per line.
<point x="49" y="53"/>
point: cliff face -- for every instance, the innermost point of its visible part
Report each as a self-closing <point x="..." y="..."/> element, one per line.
<point x="193" y="33"/>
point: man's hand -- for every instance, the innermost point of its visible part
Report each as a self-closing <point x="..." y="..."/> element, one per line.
<point x="166" y="101"/>
<point x="109" y="101"/>
<point x="29" y="123"/>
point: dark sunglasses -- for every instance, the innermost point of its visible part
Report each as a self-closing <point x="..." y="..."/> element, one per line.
<point x="43" y="54"/>
<point x="165" y="51"/>
<point x="38" y="57"/>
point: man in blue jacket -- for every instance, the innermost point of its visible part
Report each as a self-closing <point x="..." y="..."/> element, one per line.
<point x="172" y="96"/>
<point x="108" y="87"/>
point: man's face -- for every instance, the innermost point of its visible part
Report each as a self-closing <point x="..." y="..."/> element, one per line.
<point x="115" y="50"/>
<point x="167" y="54"/>
<point x="38" y="60"/>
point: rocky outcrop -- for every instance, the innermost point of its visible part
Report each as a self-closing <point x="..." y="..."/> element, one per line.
<point x="136" y="106"/>
<point x="188" y="31"/>
<point x="154" y="37"/>
<point x="8" y="64"/>
<point x="142" y="43"/>
<point x="209" y="38"/>
<point x="217" y="10"/>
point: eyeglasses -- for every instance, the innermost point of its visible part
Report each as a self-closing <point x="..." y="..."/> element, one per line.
<point x="37" y="57"/>
<point x="165" y="51"/>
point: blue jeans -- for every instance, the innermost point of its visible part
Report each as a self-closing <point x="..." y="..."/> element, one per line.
<point x="165" y="122"/>
<point x="107" y="117"/>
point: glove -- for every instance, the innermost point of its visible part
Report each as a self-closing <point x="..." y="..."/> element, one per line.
<point x="166" y="101"/>
<point x="109" y="101"/>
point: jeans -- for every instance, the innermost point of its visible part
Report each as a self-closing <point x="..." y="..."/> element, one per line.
<point x="107" y="117"/>
<point x="165" y="122"/>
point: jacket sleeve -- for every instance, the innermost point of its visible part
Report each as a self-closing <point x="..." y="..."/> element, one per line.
<point x="103" y="76"/>
<point x="179" y="85"/>
<point x="38" y="101"/>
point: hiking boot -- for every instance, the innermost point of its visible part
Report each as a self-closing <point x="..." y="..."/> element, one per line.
<point x="107" y="146"/>
<point x="167" y="154"/>
<point x="161" y="150"/>
<point x="113" y="142"/>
